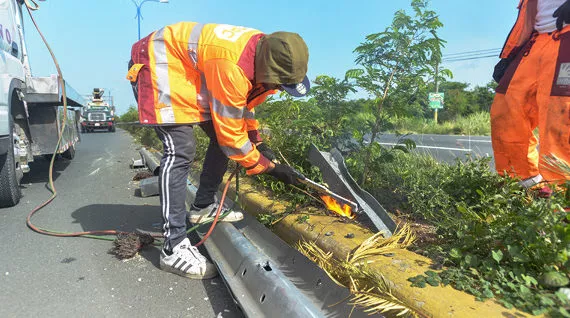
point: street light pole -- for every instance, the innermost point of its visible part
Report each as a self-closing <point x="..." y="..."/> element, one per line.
<point x="139" y="15"/>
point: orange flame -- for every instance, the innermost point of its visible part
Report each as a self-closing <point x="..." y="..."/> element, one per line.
<point x="335" y="207"/>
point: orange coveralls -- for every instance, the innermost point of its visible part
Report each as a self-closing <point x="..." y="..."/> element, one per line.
<point x="534" y="92"/>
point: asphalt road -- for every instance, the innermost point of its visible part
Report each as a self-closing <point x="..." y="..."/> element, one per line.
<point x="45" y="276"/>
<point x="447" y="148"/>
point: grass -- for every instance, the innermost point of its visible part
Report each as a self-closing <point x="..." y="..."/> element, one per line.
<point x="474" y="124"/>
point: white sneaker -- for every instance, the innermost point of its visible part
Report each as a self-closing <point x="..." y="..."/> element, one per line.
<point x="187" y="261"/>
<point x="208" y="213"/>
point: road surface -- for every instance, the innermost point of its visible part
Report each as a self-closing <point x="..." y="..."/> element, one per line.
<point x="447" y="147"/>
<point x="44" y="276"/>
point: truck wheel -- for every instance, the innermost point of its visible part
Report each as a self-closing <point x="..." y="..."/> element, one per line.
<point x="10" y="192"/>
<point x="112" y="129"/>
<point x="69" y="154"/>
<point x="83" y="129"/>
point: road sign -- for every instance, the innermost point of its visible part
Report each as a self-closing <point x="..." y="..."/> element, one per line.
<point x="436" y="100"/>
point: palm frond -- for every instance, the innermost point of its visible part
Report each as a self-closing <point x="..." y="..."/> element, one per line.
<point x="557" y="165"/>
<point x="378" y="245"/>
<point x="370" y="290"/>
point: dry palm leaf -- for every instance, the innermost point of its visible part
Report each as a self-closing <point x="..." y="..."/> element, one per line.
<point x="369" y="289"/>
<point x="378" y="245"/>
<point x="557" y="165"/>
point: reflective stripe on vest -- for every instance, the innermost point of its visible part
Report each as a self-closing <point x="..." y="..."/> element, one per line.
<point x="161" y="68"/>
<point x="249" y="114"/>
<point x="203" y="97"/>
<point x="193" y="43"/>
<point x="225" y="111"/>
<point x="244" y="150"/>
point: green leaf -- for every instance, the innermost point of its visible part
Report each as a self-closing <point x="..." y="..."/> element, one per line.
<point x="524" y="290"/>
<point x="433" y="281"/>
<point x="455" y="253"/>
<point x="431" y="274"/>
<point x="553" y="279"/>
<point x="563" y="312"/>
<point x="529" y="280"/>
<point x="507" y="304"/>
<point x="354" y="73"/>
<point x="488" y="293"/>
<point x="497" y="256"/>
<point x="401" y="148"/>
<point x="540" y="311"/>
<point x="517" y="255"/>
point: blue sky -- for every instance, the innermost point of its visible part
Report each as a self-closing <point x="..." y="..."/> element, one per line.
<point x="92" y="38"/>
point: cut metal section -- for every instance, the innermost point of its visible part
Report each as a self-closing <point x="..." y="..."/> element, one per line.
<point x="339" y="180"/>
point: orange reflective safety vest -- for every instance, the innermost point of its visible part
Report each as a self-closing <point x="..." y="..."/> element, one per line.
<point x="189" y="73"/>
<point x="523" y="28"/>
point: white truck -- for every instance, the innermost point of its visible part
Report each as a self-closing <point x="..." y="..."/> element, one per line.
<point x="31" y="111"/>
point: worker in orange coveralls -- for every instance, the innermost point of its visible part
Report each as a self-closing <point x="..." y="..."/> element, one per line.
<point x="534" y="91"/>
<point x="212" y="76"/>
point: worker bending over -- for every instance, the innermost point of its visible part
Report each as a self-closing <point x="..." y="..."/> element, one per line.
<point x="212" y="76"/>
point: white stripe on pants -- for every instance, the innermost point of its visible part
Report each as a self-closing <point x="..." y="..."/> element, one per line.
<point x="179" y="151"/>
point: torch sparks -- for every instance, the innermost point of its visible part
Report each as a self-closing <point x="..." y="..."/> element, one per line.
<point x="335" y="207"/>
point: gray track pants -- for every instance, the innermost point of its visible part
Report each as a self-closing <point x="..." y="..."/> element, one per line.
<point x="179" y="151"/>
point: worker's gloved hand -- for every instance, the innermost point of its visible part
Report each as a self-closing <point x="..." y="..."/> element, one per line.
<point x="286" y="174"/>
<point x="563" y="15"/>
<point x="266" y="151"/>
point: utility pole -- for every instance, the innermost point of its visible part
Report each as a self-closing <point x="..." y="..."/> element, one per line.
<point x="436" y="85"/>
<point x="139" y="4"/>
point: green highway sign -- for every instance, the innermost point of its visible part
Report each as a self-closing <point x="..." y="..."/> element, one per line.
<point x="436" y="100"/>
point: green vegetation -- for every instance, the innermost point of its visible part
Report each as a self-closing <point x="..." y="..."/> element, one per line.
<point x="491" y="238"/>
<point x="477" y="124"/>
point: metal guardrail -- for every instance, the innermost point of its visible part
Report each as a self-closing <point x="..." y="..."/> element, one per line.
<point x="266" y="276"/>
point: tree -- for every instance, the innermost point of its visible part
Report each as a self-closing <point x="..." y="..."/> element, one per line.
<point x="457" y="100"/>
<point x="330" y="94"/>
<point x="483" y="96"/>
<point x="397" y="59"/>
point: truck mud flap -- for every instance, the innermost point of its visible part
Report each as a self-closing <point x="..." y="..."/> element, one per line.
<point x="339" y="180"/>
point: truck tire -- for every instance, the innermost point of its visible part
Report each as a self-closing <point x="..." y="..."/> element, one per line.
<point x="10" y="192"/>
<point x="69" y="154"/>
<point x="112" y="129"/>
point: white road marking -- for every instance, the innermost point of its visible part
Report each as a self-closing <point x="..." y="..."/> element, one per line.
<point x="429" y="147"/>
<point x="94" y="171"/>
<point x="474" y="140"/>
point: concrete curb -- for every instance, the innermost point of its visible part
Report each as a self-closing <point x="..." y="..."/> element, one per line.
<point x="431" y="301"/>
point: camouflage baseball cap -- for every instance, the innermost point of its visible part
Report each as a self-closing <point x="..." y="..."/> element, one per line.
<point x="282" y="58"/>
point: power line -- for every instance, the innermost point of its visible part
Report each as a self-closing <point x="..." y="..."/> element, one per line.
<point x="468" y="58"/>
<point x="473" y="52"/>
<point x="471" y="55"/>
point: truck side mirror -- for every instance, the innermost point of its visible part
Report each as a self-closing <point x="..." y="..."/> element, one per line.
<point x="14" y="49"/>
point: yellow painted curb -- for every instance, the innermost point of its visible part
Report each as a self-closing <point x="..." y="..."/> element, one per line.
<point x="431" y="301"/>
